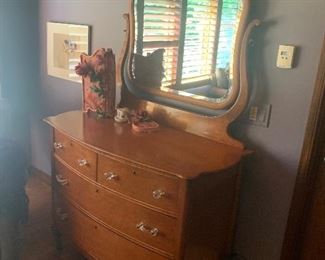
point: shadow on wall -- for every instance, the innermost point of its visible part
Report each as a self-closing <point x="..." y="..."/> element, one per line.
<point x="258" y="93"/>
<point x="19" y="68"/>
<point x="268" y="177"/>
<point x="261" y="220"/>
<point x="13" y="121"/>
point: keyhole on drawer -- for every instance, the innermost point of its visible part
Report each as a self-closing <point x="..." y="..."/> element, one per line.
<point x="95" y="227"/>
<point x="97" y="190"/>
<point x="134" y="173"/>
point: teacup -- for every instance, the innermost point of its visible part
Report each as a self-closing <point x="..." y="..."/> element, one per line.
<point x="122" y="114"/>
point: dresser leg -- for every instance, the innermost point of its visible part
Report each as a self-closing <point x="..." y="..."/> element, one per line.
<point x="57" y="239"/>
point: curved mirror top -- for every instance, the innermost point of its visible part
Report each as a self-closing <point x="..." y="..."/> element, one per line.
<point x="188" y="50"/>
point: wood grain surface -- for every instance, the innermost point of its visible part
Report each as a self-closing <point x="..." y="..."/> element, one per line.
<point x="167" y="150"/>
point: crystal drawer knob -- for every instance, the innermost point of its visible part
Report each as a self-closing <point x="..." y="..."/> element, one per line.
<point x="158" y="194"/>
<point x="110" y="176"/>
<point x="61" y="180"/>
<point x="146" y="229"/>
<point x="61" y="215"/>
<point x="82" y="162"/>
<point x="58" y="146"/>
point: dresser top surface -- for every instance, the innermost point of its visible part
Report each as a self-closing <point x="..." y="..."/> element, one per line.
<point x="172" y="151"/>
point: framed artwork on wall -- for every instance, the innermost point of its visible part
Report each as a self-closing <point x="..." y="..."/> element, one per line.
<point x="65" y="43"/>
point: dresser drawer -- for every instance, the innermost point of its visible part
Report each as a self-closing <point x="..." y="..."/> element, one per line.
<point x="93" y="238"/>
<point x="143" y="224"/>
<point x="76" y="155"/>
<point x="140" y="184"/>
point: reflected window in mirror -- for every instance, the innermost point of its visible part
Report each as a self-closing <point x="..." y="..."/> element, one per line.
<point x="187" y="44"/>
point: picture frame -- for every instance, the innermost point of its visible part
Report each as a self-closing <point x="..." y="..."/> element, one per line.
<point x="65" y="44"/>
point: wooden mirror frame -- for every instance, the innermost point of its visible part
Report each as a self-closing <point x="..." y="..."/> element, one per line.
<point x="196" y="104"/>
<point x="228" y="100"/>
<point x="178" y="112"/>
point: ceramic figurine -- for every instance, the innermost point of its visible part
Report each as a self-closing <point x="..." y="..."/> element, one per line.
<point x="98" y="78"/>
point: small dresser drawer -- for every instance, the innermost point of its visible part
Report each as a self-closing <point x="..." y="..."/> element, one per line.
<point x="93" y="238"/>
<point x="76" y="155"/>
<point x="143" y="224"/>
<point x="140" y="184"/>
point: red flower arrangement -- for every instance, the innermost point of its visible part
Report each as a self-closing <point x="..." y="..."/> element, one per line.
<point x="82" y="69"/>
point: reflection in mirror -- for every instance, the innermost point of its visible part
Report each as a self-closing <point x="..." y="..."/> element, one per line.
<point x="186" y="47"/>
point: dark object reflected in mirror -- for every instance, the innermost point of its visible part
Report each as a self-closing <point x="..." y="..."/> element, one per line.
<point x="149" y="70"/>
<point x="223" y="78"/>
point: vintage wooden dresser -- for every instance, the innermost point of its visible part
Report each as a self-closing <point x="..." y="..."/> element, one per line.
<point x="121" y="195"/>
<point x="168" y="194"/>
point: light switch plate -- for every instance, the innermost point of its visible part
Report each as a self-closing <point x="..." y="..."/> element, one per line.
<point x="285" y="56"/>
<point x="260" y="115"/>
<point x="253" y="113"/>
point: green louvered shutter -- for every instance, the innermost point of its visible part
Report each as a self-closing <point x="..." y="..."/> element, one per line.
<point x="192" y="53"/>
<point x="161" y="29"/>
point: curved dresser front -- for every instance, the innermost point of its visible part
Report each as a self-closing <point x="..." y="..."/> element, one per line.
<point x="119" y="195"/>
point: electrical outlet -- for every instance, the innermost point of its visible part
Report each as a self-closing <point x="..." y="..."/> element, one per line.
<point x="260" y="115"/>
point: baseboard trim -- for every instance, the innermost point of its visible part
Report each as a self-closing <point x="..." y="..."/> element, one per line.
<point x="45" y="178"/>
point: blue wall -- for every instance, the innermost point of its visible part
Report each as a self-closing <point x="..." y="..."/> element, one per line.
<point x="268" y="183"/>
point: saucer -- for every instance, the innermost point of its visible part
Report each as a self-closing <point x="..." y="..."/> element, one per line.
<point x="120" y="120"/>
<point x="145" y="127"/>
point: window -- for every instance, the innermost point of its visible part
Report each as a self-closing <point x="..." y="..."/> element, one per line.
<point x="197" y="35"/>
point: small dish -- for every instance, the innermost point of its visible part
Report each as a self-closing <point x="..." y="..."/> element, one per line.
<point x="144" y="127"/>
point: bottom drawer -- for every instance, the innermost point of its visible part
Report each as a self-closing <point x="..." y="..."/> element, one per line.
<point x="96" y="240"/>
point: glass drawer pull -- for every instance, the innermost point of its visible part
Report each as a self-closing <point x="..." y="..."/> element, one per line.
<point x="143" y="228"/>
<point x="82" y="162"/>
<point x="158" y="194"/>
<point x="61" y="215"/>
<point x="110" y="176"/>
<point x="61" y="180"/>
<point x="58" y="146"/>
